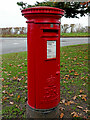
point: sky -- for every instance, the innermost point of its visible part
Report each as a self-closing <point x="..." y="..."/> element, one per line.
<point x="10" y="15"/>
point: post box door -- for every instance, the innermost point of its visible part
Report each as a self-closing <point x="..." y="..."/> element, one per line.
<point x="48" y="71"/>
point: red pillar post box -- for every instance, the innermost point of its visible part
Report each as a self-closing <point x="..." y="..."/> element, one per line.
<point x="43" y="40"/>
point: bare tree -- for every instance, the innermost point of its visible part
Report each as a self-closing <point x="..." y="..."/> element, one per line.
<point x="65" y="28"/>
<point x="72" y="27"/>
<point x="78" y="28"/>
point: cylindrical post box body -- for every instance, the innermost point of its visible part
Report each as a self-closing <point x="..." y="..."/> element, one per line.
<point x="43" y="41"/>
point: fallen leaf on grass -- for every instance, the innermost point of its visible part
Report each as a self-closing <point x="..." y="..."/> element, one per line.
<point x="19" y="79"/>
<point x="2" y="79"/>
<point x="80" y="107"/>
<point x="86" y="57"/>
<point x="66" y="78"/>
<point x="20" y="72"/>
<point x="23" y="77"/>
<point x="10" y="95"/>
<point x="72" y="70"/>
<point x="84" y="84"/>
<point x="26" y="81"/>
<point x="63" y="101"/>
<point x="76" y="73"/>
<point x="4" y="68"/>
<point x="61" y="116"/>
<point x="25" y="86"/>
<point x="8" y="74"/>
<point x="66" y="104"/>
<point x="15" y="77"/>
<point x="74" y="97"/>
<point x="25" y="74"/>
<point x="4" y="91"/>
<point x="5" y="98"/>
<point x="86" y="110"/>
<point x="81" y="91"/>
<point x="80" y="114"/>
<point x="0" y="71"/>
<point x="68" y="57"/>
<point x="18" y="65"/>
<point x="17" y="106"/>
<point x="83" y="97"/>
<point x="5" y="72"/>
<point x="69" y="102"/>
<point x="22" y="63"/>
<point x="67" y="75"/>
<point x="11" y="103"/>
<point x="18" y="97"/>
<point x="61" y="108"/>
<point x="82" y="78"/>
<point x="14" y="66"/>
<point x="65" y="55"/>
<point x="1" y="101"/>
<point x="65" y="82"/>
<point x="5" y="86"/>
<point x="10" y="64"/>
<point x="75" y="59"/>
<point x="80" y="95"/>
<point x="74" y="114"/>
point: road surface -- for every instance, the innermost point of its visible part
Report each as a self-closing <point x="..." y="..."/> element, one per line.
<point x="10" y="45"/>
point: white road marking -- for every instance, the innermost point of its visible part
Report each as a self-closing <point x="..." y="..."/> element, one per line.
<point x="16" y="43"/>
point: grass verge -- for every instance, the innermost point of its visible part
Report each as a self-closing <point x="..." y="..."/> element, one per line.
<point x="73" y="83"/>
<point x="75" y="34"/>
<point x="62" y="35"/>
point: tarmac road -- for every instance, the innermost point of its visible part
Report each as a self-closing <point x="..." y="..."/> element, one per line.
<point x="11" y="45"/>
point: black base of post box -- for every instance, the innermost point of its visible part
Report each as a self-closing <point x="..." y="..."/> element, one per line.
<point x="42" y="113"/>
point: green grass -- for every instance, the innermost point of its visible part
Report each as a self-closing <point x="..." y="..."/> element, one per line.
<point x="74" y="65"/>
<point x="15" y="76"/>
<point x="74" y="77"/>
<point x="14" y="35"/>
<point x="75" y="34"/>
<point x="62" y="35"/>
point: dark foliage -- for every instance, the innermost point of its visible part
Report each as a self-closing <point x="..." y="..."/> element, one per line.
<point x="72" y="9"/>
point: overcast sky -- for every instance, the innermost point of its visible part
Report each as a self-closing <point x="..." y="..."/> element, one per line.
<point x="10" y="15"/>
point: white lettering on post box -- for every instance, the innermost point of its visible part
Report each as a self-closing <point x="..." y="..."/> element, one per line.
<point x="51" y="49"/>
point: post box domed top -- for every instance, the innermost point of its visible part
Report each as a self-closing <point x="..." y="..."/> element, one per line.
<point x="43" y="10"/>
<point x="43" y="14"/>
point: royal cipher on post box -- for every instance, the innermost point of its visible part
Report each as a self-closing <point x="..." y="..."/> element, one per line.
<point x="43" y="41"/>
